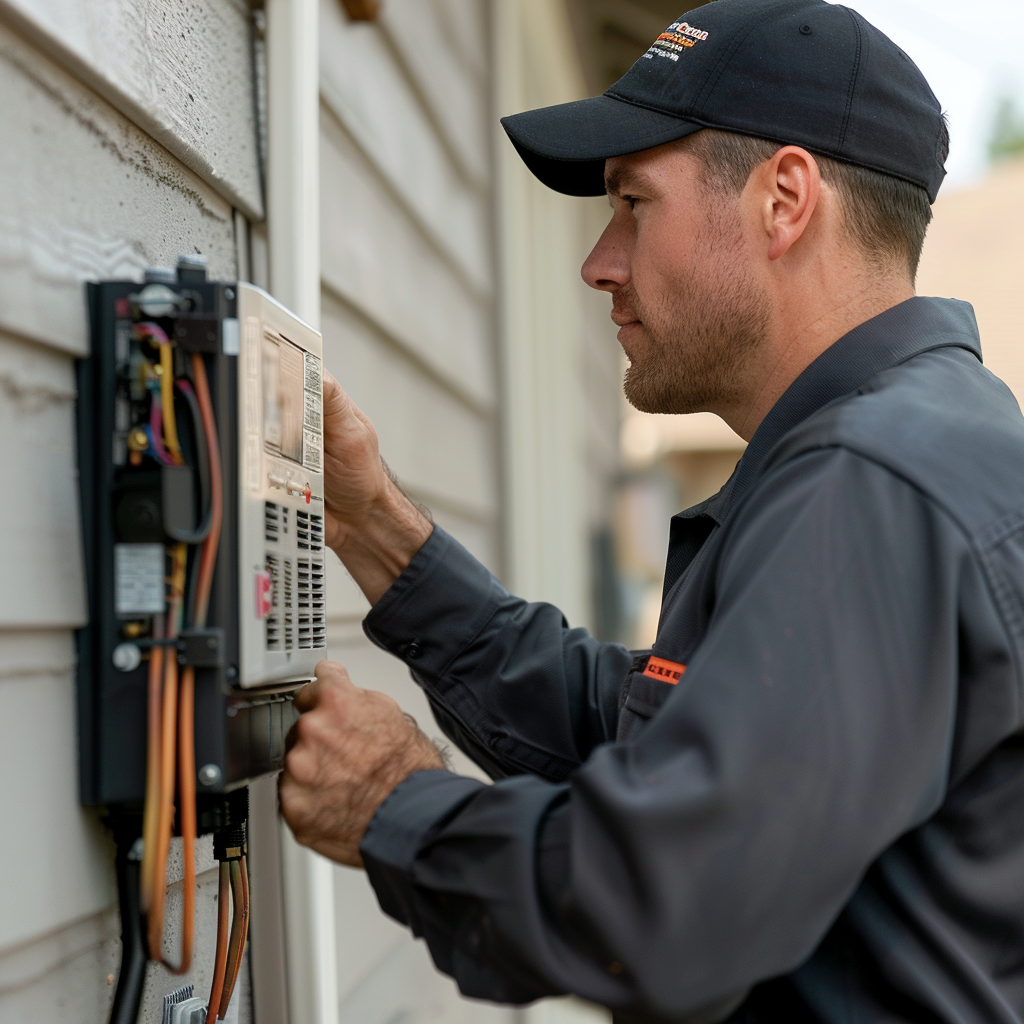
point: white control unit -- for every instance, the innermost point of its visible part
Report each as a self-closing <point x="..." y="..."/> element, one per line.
<point x="282" y="588"/>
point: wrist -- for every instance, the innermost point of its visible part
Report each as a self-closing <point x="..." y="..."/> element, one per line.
<point x="378" y="546"/>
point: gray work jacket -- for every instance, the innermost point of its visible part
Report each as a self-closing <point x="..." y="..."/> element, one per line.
<point x="822" y="817"/>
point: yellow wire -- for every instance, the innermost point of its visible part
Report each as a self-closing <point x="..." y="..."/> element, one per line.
<point x="167" y="396"/>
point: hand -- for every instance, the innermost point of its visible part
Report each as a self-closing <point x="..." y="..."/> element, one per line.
<point x="368" y="522"/>
<point x="347" y="752"/>
<point x="354" y="478"/>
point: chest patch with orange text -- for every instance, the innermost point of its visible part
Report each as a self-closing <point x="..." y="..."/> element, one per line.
<point x="666" y="671"/>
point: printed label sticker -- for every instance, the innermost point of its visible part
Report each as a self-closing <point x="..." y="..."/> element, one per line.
<point x="313" y="413"/>
<point x="314" y="375"/>
<point x="139" y="579"/>
<point x="311" y="450"/>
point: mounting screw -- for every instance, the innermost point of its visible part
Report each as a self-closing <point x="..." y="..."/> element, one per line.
<point x="127" y="657"/>
<point x="209" y="775"/>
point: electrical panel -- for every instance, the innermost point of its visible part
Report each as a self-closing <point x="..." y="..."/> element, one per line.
<point x="148" y="482"/>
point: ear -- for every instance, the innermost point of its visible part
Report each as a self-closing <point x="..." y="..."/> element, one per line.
<point x="791" y="183"/>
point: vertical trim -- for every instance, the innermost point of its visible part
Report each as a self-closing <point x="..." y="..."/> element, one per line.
<point x="243" y="258"/>
<point x="293" y="155"/>
<point x="267" y="944"/>
<point x="540" y="244"/>
<point x="293" y="223"/>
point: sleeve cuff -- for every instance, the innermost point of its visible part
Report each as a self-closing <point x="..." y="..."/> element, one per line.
<point x="436" y="607"/>
<point x="403" y="824"/>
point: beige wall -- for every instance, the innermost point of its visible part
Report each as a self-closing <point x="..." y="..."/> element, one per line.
<point x="975" y="251"/>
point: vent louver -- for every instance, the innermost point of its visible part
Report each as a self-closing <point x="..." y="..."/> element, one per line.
<point x="309" y="531"/>
<point x="271" y="522"/>
<point x="312" y="613"/>
<point x="273" y="619"/>
<point x="289" y="606"/>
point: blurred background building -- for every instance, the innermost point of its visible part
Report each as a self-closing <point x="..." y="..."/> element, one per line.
<point x="346" y="156"/>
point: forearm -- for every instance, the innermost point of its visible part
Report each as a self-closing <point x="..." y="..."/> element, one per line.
<point x="377" y="547"/>
<point x="510" y="683"/>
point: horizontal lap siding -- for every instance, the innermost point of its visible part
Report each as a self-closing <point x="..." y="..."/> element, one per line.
<point x="87" y="192"/>
<point x="408" y="324"/>
<point x="367" y="88"/>
<point x="376" y="257"/>
<point x="181" y="71"/>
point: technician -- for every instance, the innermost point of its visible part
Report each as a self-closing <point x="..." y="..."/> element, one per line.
<point x="807" y="802"/>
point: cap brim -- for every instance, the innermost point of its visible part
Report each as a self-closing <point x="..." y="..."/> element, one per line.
<point x="566" y="145"/>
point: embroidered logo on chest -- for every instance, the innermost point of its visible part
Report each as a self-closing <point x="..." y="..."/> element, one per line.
<point x="666" y="671"/>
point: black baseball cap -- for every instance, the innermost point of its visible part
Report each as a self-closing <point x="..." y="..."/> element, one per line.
<point x="798" y="72"/>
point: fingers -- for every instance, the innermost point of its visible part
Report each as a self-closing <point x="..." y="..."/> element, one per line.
<point x="328" y="674"/>
<point x="336" y="400"/>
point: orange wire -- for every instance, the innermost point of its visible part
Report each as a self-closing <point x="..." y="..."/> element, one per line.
<point x="178" y="709"/>
<point x="150" y="814"/>
<point x="239" y="930"/>
<point x="187" y="805"/>
<point x="209" y="556"/>
<point x="165" y="813"/>
<point x="220" y="964"/>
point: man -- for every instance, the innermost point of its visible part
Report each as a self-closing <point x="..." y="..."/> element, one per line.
<point x="806" y="803"/>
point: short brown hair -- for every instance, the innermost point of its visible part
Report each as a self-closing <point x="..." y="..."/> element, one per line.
<point x="887" y="217"/>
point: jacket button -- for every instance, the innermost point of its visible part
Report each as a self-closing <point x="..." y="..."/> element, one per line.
<point x="413" y="651"/>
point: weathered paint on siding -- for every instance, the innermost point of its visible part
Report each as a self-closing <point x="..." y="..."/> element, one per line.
<point x="87" y="192"/>
<point x="180" y="71"/>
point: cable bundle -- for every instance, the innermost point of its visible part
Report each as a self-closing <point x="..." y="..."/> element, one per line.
<point x="171" y="698"/>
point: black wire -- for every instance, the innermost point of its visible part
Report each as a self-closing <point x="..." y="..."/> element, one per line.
<point x="128" y="995"/>
<point x="202" y="458"/>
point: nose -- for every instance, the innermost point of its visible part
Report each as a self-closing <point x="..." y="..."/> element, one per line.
<point x="607" y="267"/>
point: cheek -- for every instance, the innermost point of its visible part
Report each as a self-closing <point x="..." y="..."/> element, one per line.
<point x="665" y="255"/>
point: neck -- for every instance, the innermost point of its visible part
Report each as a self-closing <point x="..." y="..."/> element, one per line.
<point x="804" y="327"/>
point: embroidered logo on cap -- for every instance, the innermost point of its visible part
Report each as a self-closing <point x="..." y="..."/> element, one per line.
<point x="676" y="39"/>
<point x="666" y="671"/>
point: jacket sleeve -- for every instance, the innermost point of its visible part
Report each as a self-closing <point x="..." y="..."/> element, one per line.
<point x="509" y="681"/>
<point x="811" y="729"/>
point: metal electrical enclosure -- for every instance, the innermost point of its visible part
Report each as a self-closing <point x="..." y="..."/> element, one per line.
<point x="265" y="628"/>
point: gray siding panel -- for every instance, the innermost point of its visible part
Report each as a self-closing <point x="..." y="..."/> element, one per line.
<point x="86" y="194"/>
<point x="375" y="258"/>
<point x="433" y="441"/>
<point x="447" y="78"/>
<point x="183" y="72"/>
<point x="367" y="89"/>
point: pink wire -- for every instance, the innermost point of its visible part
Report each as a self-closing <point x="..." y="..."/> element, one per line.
<point x="156" y="421"/>
<point x="153" y="331"/>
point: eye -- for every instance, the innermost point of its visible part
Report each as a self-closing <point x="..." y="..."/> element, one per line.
<point x="632" y="200"/>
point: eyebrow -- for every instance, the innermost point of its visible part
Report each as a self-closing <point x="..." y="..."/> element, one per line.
<point x="622" y="180"/>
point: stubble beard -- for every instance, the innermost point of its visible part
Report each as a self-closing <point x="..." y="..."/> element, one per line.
<point x="699" y="341"/>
